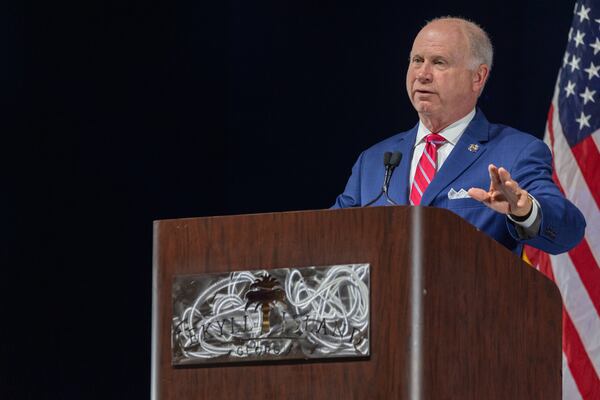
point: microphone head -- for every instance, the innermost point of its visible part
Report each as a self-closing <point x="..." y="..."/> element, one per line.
<point x="395" y="158"/>
<point x="386" y="158"/>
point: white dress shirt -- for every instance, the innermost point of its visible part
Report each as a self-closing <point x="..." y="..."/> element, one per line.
<point x="452" y="134"/>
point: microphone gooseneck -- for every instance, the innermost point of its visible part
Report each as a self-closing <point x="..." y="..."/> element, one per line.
<point x="390" y="162"/>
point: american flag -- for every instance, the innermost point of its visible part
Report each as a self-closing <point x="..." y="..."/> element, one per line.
<point x="573" y="135"/>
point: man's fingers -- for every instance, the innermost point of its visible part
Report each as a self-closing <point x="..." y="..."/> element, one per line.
<point x="490" y="199"/>
<point x="494" y="177"/>
<point x="479" y="194"/>
<point x="505" y="194"/>
<point x="504" y="174"/>
<point x="509" y="187"/>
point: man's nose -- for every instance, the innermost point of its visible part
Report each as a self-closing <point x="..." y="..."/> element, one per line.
<point x="424" y="73"/>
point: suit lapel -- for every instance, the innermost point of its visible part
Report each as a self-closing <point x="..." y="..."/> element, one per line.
<point x="470" y="147"/>
<point x="399" y="185"/>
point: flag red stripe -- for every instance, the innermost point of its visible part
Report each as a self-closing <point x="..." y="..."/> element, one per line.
<point x="588" y="270"/>
<point x="588" y="159"/>
<point x="579" y="363"/>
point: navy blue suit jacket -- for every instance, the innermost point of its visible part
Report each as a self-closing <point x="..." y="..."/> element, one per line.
<point x="527" y="158"/>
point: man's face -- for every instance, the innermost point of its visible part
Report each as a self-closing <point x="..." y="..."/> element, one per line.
<point x="440" y="84"/>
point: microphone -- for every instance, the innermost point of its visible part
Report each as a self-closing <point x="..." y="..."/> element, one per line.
<point x="390" y="162"/>
<point x="390" y="165"/>
<point x="394" y="162"/>
<point x="386" y="158"/>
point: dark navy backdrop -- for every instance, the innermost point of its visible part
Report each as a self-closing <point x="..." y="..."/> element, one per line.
<point x="117" y="113"/>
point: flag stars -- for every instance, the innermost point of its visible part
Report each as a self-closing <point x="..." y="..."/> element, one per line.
<point x="570" y="89"/>
<point x="596" y="46"/>
<point x="592" y="71"/>
<point x="574" y="64"/>
<point x="571" y="32"/>
<point x="579" y="38"/>
<point x="583" y="13"/>
<point x="583" y="120"/>
<point x="588" y="95"/>
<point x="566" y="58"/>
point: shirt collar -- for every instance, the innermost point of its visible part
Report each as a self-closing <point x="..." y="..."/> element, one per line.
<point x="451" y="133"/>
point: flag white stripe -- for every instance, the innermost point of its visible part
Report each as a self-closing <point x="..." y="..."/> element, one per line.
<point x="569" y="389"/>
<point x="578" y="305"/>
<point x="574" y="185"/>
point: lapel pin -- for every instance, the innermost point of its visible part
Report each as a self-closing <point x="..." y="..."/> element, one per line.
<point x="473" y="147"/>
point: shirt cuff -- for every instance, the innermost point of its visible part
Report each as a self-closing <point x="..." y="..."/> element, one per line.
<point x="528" y="223"/>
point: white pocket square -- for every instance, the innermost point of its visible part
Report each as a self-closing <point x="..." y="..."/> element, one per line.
<point x="461" y="194"/>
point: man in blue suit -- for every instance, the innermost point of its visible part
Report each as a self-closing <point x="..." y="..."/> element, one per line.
<point x="450" y="62"/>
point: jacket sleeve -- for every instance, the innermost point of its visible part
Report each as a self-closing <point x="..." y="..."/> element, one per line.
<point x="351" y="197"/>
<point x="562" y="225"/>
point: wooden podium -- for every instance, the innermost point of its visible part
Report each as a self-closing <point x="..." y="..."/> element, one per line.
<point x="454" y="315"/>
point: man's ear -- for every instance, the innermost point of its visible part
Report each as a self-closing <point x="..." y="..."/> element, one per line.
<point x="480" y="77"/>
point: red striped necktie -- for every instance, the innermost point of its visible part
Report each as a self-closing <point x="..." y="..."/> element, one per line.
<point x="426" y="167"/>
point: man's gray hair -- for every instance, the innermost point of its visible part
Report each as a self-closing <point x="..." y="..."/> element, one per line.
<point x="482" y="51"/>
